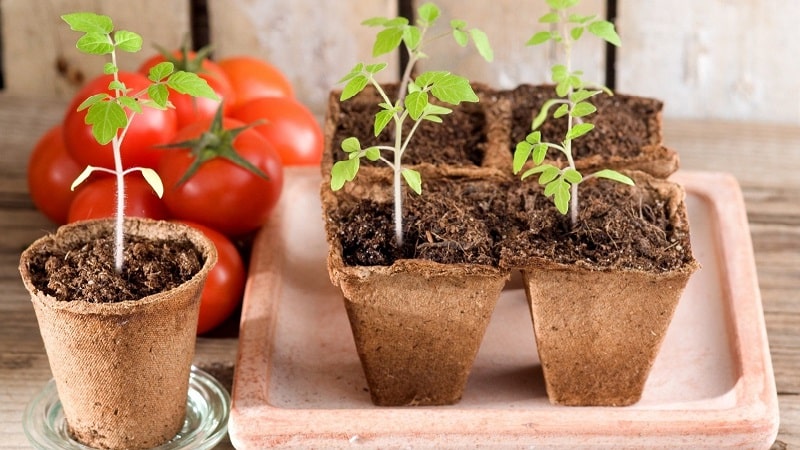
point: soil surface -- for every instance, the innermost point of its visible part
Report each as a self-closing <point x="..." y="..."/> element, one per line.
<point x="623" y="124"/>
<point x="619" y="226"/>
<point x="453" y="221"/>
<point x="459" y="140"/>
<point x="86" y="272"/>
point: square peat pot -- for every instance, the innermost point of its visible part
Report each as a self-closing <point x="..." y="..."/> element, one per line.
<point x="298" y="381"/>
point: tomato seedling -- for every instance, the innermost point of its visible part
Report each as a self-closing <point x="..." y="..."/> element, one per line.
<point x="573" y="96"/>
<point x="111" y="114"/>
<point x="413" y="99"/>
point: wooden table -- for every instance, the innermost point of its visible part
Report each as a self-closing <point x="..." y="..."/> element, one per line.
<point x="764" y="158"/>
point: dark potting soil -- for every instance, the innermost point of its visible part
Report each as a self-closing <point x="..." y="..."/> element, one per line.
<point x="619" y="227"/>
<point x="622" y="123"/>
<point x="459" y="140"/>
<point x="452" y="222"/>
<point x="86" y="271"/>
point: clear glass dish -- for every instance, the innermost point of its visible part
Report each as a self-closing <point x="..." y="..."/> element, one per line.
<point x="206" y="423"/>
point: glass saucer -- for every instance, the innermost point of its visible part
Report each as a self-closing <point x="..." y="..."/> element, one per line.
<point x="206" y="423"/>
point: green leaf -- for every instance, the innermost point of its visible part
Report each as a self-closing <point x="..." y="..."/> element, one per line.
<point x="109" y="68"/>
<point x="521" y="154"/>
<point x="91" y="101"/>
<point x="412" y="37"/>
<point x="482" y="44"/>
<point x="342" y="172"/>
<point x="605" y="30"/>
<point x="559" y="73"/>
<point x="106" y="118"/>
<point x="561" y="197"/>
<point x="539" y="153"/>
<point x="583" y="109"/>
<point x="116" y="85"/>
<point x="416" y="103"/>
<point x="375" y="21"/>
<point x="353" y="87"/>
<point x="152" y="178"/>
<point x="95" y="44"/>
<point x="382" y="118"/>
<point x="159" y="94"/>
<point x="414" y="180"/>
<point x="457" y="24"/>
<point x="539" y="38"/>
<point x="428" y="78"/>
<point x="461" y="37"/>
<point x="432" y="118"/>
<point x="128" y="41"/>
<point x="453" y="89"/>
<point x="355" y="71"/>
<point x="428" y="13"/>
<point x="89" y="22"/>
<point x="579" y="130"/>
<point x="562" y="88"/>
<point x="582" y="94"/>
<point x="160" y="71"/>
<point x="83" y="176"/>
<point x="351" y="145"/>
<point x="613" y="175"/>
<point x="130" y="103"/>
<point x="576" y="33"/>
<point x="549" y="174"/>
<point x="551" y="17"/>
<point x="542" y="115"/>
<point x="375" y="68"/>
<point x="573" y="176"/>
<point x="387" y="40"/>
<point x="534" y="137"/>
<point x="561" y="111"/>
<point x="372" y="153"/>
<point x="577" y="18"/>
<point x="562" y="4"/>
<point x="535" y="170"/>
<point x="191" y="84"/>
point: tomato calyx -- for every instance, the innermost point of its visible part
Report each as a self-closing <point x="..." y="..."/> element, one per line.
<point x="216" y="142"/>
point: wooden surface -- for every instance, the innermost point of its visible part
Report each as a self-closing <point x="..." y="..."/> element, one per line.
<point x="764" y="158"/>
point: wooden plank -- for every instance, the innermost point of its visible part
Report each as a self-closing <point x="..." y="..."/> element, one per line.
<point x="36" y="39"/>
<point x="509" y="24"/>
<point x="723" y="59"/>
<point x="314" y="42"/>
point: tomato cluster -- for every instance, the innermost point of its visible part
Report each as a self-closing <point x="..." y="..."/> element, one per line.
<point x="221" y="162"/>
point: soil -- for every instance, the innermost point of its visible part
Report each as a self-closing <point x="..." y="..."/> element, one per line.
<point x="453" y="221"/>
<point x="507" y="223"/>
<point x="619" y="227"/>
<point x="86" y="271"/>
<point x="623" y="124"/>
<point x="459" y="140"/>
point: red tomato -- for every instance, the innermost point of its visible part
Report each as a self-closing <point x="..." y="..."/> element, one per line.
<point x="289" y="126"/>
<point x="221" y="194"/>
<point x="97" y="199"/>
<point x="190" y="109"/>
<point x="151" y="128"/>
<point x="224" y="286"/>
<point x="51" y="171"/>
<point x="252" y="78"/>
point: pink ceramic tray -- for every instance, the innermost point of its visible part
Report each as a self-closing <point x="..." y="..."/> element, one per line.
<point x="298" y="382"/>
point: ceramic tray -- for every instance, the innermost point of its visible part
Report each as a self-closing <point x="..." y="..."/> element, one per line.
<point x="298" y="382"/>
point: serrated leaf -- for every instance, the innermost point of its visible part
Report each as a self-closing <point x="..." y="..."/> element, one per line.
<point x="551" y="17"/>
<point x="387" y="40"/>
<point x="453" y="89"/>
<point x="353" y="87"/>
<point x="549" y="174"/>
<point x="605" y="30"/>
<point x="461" y="37"/>
<point x="191" y="84"/>
<point x="110" y="68"/>
<point x="382" y="118"/>
<point x="152" y="178"/>
<point x="573" y="176"/>
<point x="583" y="109"/>
<point x="521" y="155"/>
<point x="412" y="37"/>
<point x="106" y="118"/>
<point x="613" y="175"/>
<point x="539" y="153"/>
<point x="428" y="13"/>
<point x="415" y="104"/>
<point x="561" y="111"/>
<point x="481" y="41"/>
<point x="116" y="85"/>
<point x="539" y="38"/>
<point x="372" y="153"/>
<point x="130" y="103"/>
<point x="414" y="180"/>
<point x="160" y="71"/>
<point x="128" y="41"/>
<point x="351" y="145"/>
<point x="342" y="172"/>
<point x="89" y="22"/>
<point x="579" y="130"/>
<point x="425" y="79"/>
<point x="83" y="176"/>
<point x="95" y="44"/>
<point x="91" y="100"/>
<point x="159" y="94"/>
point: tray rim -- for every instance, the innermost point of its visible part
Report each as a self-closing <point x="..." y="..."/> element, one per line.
<point x="753" y="418"/>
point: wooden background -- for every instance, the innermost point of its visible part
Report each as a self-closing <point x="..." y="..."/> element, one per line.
<point x="723" y="59"/>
